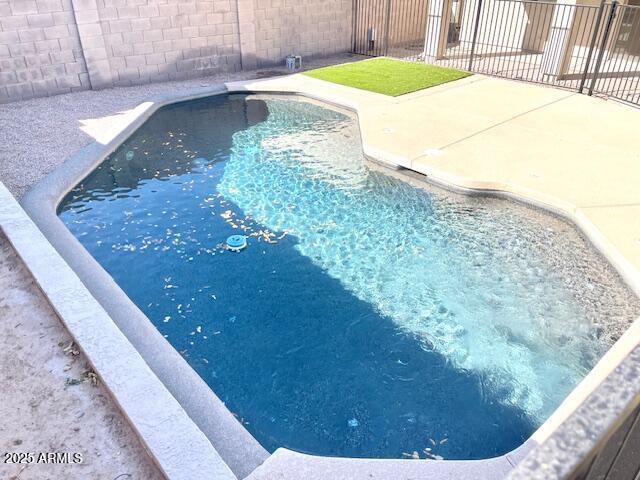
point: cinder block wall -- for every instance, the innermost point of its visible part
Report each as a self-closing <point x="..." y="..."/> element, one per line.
<point x="58" y="46"/>
<point x="40" y="52"/>
<point x="301" y="27"/>
<point x="156" y="40"/>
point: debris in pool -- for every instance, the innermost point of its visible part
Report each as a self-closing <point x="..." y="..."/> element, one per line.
<point x="264" y="235"/>
<point x="129" y="155"/>
<point x="353" y="423"/>
<point x="235" y="243"/>
<point x="431" y="456"/>
<point x="413" y="455"/>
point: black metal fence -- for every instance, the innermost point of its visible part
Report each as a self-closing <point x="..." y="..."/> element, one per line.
<point x="394" y="28"/>
<point x="590" y="49"/>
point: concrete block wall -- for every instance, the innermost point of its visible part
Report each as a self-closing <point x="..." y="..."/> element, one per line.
<point x="157" y="40"/>
<point x="40" y="51"/>
<point x="301" y="27"/>
<point x="58" y="46"/>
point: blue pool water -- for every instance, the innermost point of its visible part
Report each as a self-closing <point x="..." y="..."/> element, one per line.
<point x="370" y="314"/>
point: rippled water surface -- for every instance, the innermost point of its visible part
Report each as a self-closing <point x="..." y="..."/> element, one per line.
<point x="371" y="314"/>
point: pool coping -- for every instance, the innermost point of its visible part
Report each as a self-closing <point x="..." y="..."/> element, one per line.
<point x="234" y="444"/>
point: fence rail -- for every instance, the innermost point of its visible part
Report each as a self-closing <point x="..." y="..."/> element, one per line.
<point x="588" y="49"/>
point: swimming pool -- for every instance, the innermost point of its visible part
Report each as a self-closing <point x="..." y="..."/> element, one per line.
<point x="371" y="314"/>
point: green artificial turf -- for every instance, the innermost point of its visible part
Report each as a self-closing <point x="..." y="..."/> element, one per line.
<point x="387" y="76"/>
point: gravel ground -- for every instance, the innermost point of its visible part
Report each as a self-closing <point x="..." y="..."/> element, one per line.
<point x="48" y="402"/>
<point x="38" y="135"/>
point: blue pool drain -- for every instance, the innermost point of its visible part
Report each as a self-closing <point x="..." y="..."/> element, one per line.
<point x="236" y="243"/>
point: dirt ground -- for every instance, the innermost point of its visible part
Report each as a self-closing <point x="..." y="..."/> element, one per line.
<point x="43" y="408"/>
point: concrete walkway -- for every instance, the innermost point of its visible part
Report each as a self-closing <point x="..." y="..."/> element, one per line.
<point x="573" y="152"/>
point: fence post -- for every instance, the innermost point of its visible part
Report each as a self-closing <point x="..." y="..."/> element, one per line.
<point x="596" y="30"/>
<point x="603" y="45"/>
<point x="475" y="34"/>
<point x="354" y="27"/>
<point x="386" y="28"/>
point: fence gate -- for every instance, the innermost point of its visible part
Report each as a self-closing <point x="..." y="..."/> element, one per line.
<point x="592" y="49"/>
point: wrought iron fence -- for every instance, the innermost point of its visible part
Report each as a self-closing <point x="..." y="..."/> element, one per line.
<point x="589" y="49"/>
<point x="390" y="28"/>
<point x="617" y="69"/>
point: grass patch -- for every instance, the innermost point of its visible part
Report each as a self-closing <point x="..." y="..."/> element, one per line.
<point x="387" y="76"/>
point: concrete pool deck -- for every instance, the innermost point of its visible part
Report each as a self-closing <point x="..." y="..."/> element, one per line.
<point x="399" y="131"/>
